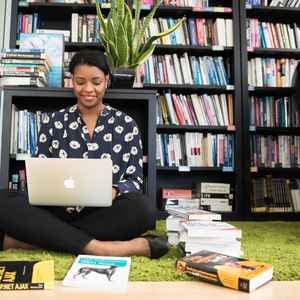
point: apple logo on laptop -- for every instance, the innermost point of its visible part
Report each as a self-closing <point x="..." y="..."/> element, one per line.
<point x="69" y="183"/>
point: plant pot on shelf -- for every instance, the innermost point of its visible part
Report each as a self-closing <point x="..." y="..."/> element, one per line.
<point x="122" y="78"/>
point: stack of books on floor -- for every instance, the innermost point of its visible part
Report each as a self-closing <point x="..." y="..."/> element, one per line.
<point x="24" y="67"/>
<point x="194" y="229"/>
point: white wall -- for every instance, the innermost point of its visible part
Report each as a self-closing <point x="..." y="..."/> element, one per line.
<point x="5" y="13"/>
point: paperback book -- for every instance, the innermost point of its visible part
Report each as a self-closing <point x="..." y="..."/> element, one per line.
<point x="225" y="270"/>
<point x="103" y="273"/>
<point x="26" y="275"/>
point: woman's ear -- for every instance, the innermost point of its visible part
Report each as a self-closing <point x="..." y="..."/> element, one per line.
<point x="107" y="81"/>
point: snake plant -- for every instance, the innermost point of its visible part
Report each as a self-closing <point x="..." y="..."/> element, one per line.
<point x="122" y="33"/>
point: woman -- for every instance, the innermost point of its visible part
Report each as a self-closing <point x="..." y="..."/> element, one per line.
<point x="88" y="129"/>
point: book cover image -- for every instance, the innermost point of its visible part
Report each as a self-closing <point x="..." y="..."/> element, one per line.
<point x="53" y="44"/>
<point x="233" y="272"/>
<point x="26" y="275"/>
<point x="102" y="273"/>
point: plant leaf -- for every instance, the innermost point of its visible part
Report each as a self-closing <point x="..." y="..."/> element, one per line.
<point x="101" y="19"/>
<point x="137" y="12"/>
<point x="122" y="46"/>
<point x="143" y="55"/>
<point x="161" y="34"/>
<point x="129" y="29"/>
<point x="145" y="24"/>
<point x="113" y="53"/>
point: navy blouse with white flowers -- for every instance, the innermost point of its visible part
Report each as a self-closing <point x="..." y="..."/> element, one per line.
<point x="116" y="135"/>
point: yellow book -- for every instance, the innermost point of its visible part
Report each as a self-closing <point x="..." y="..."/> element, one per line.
<point x="26" y="275"/>
<point x="228" y="271"/>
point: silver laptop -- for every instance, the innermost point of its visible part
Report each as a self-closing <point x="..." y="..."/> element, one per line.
<point x="69" y="182"/>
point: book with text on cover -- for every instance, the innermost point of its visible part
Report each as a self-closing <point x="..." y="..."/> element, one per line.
<point x="26" y="275"/>
<point x="103" y="273"/>
<point x="233" y="272"/>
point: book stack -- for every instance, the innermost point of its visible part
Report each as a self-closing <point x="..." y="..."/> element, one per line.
<point x="24" y="67"/>
<point x="194" y="229"/>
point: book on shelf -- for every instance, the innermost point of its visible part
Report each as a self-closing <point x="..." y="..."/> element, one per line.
<point x="26" y="275"/>
<point x="53" y="44"/>
<point x="215" y="196"/>
<point x="103" y="273"/>
<point x="225" y="270"/>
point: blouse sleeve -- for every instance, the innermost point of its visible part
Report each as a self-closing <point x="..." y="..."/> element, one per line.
<point x="44" y="142"/>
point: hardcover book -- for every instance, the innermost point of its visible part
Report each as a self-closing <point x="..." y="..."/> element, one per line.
<point x="224" y="270"/>
<point x="26" y="275"/>
<point x="104" y="273"/>
<point x="53" y="44"/>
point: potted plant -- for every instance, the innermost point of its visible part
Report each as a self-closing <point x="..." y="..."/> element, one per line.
<point x="122" y="36"/>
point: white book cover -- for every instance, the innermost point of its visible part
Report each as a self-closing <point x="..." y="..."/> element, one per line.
<point x="103" y="273"/>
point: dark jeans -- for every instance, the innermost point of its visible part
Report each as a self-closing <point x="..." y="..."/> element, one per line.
<point x="53" y="228"/>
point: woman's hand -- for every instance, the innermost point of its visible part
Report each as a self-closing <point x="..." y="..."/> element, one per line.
<point x="114" y="193"/>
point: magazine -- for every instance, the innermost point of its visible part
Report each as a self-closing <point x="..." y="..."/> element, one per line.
<point x="104" y="273"/>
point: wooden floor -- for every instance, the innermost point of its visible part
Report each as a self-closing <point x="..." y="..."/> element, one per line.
<point x="275" y="290"/>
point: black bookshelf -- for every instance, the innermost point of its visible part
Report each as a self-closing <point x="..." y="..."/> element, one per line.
<point x="186" y="177"/>
<point x="140" y="104"/>
<point x="267" y="14"/>
<point x="168" y="177"/>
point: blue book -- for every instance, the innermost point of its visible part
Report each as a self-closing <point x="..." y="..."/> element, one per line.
<point x="173" y="40"/>
<point x="53" y="44"/>
<point x="192" y="31"/>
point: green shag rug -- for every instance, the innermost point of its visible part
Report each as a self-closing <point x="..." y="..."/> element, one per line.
<point x="277" y="243"/>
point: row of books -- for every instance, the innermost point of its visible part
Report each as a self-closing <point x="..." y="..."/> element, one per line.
<point x="25" y="126"/>
<point x="146" y="4"/>
<point x="271" y="72"/>
<point x="186" y="69"/>
<point x="270" y="194"/>
<point x="210" y="196"/>
<point x="272" y="35"/>
<point x="275" y="3"/>
<point x="194" y="149"/>
<point x="196" y="32"/>
<point x="275" y="151"/>
<point x="85" y="28"/>
<point x="274" y="111"/>
<point x="196" y="110"/>
<point x="24" y="67"/>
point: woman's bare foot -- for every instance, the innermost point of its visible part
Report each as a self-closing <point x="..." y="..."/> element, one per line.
<point x="11" y="243"/>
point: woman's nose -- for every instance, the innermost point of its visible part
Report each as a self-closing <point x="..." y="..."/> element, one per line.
<point x="88" y="86"/>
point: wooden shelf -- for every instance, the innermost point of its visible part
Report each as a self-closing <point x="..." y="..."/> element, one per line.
<point x="190" y="88"/>
<point x="183" y="128"/>
<point x="289" y="14"/>
<point x="276" y="130"/>
<point x="274" y="52"/>
<point x="271" y="90"/>
<point x="194" y="169"/>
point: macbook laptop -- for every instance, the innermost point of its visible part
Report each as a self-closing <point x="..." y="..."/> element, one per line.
<point x="69" y="182"/>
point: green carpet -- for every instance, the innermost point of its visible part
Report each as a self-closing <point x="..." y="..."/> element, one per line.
<point x="277" y="243"/>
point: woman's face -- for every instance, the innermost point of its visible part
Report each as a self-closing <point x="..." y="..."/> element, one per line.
<point x="89" y="85"/>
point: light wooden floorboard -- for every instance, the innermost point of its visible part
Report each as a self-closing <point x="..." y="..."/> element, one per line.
<point x="275" y="290"/>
